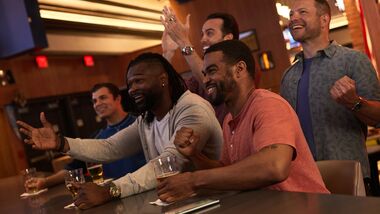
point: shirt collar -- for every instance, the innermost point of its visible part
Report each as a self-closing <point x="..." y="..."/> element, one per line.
<point x="329" y="51"/>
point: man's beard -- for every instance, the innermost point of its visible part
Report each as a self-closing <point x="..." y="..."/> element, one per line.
<point x="218" y="97"/>
<point x="147" y="103"/>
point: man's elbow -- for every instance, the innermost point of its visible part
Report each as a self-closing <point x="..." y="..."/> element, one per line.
<point x="279" y="171"/>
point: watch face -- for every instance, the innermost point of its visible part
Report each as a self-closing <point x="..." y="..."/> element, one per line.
<point x="187" y="50"/>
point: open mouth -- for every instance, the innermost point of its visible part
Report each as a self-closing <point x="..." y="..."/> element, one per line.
<point x="296" y="26"/>
<point x="205" y="48"/>
<point x="138" y="98"/>
<point x="211" y="89"/>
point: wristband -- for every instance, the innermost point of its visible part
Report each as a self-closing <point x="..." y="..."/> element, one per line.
<point x="61" y="143"/>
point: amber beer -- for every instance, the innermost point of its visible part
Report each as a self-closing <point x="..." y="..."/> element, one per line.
<point x="96" y="173"/>
<point x="73" y="190"/>
<point x="166" y="175"/>
<point x="165" y="166"/>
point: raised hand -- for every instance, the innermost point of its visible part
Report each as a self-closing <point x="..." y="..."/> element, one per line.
<point x="186" y="142"/>
<point x="344" y="92"/>
<point x="178" y="31"/>
<point x="40" y="138"/>
<point x="91" y="195"/>
<point x="167" y="43"/>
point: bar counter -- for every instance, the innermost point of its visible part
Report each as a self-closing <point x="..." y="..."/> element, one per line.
<point x="259" y="201"/>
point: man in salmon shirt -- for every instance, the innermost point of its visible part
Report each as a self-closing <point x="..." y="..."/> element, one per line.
<point x="264" y="146"/>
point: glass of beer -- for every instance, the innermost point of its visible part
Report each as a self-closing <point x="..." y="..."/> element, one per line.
<point x="29" y="175"/>
<point x="96" y="172"/>
<point x="165" y="166"/>
<point x="74" y="177"/>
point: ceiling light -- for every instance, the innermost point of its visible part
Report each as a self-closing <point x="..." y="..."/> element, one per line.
<point x="97" y="20"/>
<point x="283" y="10"/>
<point x="340" y="5"/>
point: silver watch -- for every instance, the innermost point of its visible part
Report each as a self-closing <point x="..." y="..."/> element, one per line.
<point x="187" y="50"/>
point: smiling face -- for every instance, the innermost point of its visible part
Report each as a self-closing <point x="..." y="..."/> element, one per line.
<point x="219" y="79"/>
<point x="145" y="85"/>
<point x="305" y="22"/>
<point x="212" y="32"/>
<point x="104" y="103"/>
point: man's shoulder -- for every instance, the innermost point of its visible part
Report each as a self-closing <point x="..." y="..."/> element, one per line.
<point x="269" y="101"/>
<point x="350" y="54"/>
<point x="190" y="98"/>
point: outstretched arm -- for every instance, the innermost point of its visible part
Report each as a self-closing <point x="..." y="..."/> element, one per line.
<point x="43" y="138"/>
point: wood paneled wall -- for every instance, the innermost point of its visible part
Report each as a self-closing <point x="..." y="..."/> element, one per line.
<point x="354" y="25"/>
<point x="65" y="74"/>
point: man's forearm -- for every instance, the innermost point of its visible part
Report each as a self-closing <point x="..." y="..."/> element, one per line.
<point x="369" y="113"/>
<point x="168" y="55"/>
<point x="262" y="169"/>
<point x="196" y="65"/>
<point x="56" y="178"/>
<point x="202" y="162"/>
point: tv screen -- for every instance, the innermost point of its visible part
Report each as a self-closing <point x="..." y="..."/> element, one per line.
<point x="290" y="42"/>
<point x="21" y="27"/>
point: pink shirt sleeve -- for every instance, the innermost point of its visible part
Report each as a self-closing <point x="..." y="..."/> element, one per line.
<point x="275" y="124"/>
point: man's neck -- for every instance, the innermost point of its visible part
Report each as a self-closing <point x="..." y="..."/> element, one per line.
<point x="243" y="93"/>
<point x="163" y="107"/>
<point x="311" y="47"/>
<point x="116" y="118"/>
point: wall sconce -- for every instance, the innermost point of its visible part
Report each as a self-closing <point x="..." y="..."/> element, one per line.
<point x="266" y="61"/>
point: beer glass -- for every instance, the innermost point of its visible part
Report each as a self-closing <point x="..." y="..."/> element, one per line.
<point x="165" y="166"/>
<point x="96" y="172"/>
<point x="74" y="177"/>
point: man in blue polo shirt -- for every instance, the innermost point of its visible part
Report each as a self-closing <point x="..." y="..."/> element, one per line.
<point x="106" y="100"/>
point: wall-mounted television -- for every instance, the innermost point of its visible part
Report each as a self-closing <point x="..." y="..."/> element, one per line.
<point x="290" y="42"/>
<point x="22" y="27"/>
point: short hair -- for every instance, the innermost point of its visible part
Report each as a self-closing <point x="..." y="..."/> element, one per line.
<point x="112" y="88"/>
<point x="229" y="23"/>
<point x="323" y="7"/>
<point x="176" y="83"/>
<point x="233" y="52"/>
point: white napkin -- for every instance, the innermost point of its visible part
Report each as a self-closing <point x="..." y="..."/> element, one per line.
<point x="70" y="206"/>
<point x="26" y="194"/>
<point x="160" y="203"/>
<point x="106" y="181"/>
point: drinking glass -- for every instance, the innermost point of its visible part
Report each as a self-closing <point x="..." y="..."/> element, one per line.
<point x="28" y="174"/>
<point x="165" y="166"/>
<point x="74" y="177"/>
<point x="96" y="172"/>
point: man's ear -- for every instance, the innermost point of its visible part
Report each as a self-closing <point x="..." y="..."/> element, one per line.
<point x="325" y="20"/>
<point x="118" y="98"/>
<point x="228" y="36"/>
<point x="163" y="79"/>
<point x="241" y="66"/>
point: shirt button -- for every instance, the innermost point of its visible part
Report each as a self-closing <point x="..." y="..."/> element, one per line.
<point x="231" y="146"/>
<point x="233" y="132"/>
